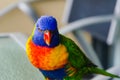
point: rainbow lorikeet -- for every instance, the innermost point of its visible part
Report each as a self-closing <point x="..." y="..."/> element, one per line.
<point x="57" y="56"/>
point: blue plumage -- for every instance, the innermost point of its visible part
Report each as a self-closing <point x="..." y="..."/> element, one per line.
<point x="46" y="23"/>
<point x="55" y="74"/>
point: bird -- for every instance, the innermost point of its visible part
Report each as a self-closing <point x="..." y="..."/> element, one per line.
<point x="57" y="56"/>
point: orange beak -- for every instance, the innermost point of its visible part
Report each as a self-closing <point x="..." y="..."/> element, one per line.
<point x="47" y="37"/>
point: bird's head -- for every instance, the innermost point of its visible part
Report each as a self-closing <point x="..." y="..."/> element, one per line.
<point x="46" y="32"/>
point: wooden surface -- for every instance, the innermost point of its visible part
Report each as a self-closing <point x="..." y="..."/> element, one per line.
<point x="14" y="64"/>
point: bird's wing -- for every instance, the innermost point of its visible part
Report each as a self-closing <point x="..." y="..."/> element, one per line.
<point x="77" y="57"/>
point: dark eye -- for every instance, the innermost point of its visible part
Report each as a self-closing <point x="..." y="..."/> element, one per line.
<point x="40" y="30"/>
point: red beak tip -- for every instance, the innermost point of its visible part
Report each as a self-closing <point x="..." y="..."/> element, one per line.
<point x="47" y="37"/>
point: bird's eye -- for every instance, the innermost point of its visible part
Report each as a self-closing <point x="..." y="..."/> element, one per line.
<point x="40" y="30"/>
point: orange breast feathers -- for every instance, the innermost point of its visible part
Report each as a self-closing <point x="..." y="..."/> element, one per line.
<point x="47" y="58"/>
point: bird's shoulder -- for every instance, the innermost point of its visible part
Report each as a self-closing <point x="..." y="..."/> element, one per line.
<point x="77" y="57"/>
<point x="68" y="43"/>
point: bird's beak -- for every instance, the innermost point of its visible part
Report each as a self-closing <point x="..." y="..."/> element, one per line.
<point x="47" y="37"/>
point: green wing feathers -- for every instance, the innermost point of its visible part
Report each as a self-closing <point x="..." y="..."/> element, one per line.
<point x="79" y="64"/>
<point x="76" y="56"/>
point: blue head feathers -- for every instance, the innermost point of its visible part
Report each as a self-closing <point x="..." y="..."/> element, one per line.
<point x="46" y="32"/>
<point x="47" y="22"/>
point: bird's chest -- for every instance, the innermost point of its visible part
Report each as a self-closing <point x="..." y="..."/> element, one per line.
<point x="48" y="58"/>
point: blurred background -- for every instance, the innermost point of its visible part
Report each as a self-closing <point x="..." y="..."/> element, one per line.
<point x="15" y="16"/>
<point x="93" y="24"/>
